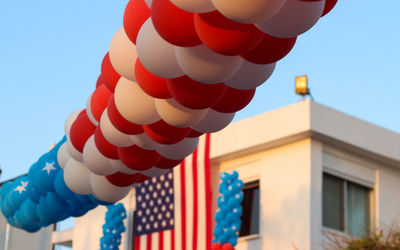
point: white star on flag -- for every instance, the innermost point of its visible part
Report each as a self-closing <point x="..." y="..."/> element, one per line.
<point x="49" y="167"/>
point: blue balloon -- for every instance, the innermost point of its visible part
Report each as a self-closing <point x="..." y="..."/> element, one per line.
<point x="235" y="175"/>
<point x="78" y="212"/>
<point x="5" y="190"/>
<point x="44" y="213"/>
<point x="28" y="209"/>
<point x="61" y="188"/>
<point x="56" y="203"/>
<point x="233" y="241"/>
<point x="18" y="194"/>
<point x="33" y="194"/>
<point x="218" y="230"/>
<point x="7" y="211"/>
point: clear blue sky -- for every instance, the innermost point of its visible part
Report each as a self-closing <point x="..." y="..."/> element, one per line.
<point x="51" y="53"/>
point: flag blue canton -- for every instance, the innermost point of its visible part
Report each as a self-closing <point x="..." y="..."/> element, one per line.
<point x="155" y="205"/>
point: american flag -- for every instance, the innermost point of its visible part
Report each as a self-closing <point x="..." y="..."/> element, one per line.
<point x="173" y="211"/>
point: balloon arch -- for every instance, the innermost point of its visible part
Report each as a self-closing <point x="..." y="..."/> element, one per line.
<point x="175" y="70"/>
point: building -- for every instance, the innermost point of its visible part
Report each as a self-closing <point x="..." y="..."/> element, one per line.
<point x="309" y="171"/>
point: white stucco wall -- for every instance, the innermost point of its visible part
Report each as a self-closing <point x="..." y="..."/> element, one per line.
<point x="21" y="240"/>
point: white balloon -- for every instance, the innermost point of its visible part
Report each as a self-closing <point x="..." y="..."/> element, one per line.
<point x="105" y="191"/>
<point x="214" y="121"/>
<point x="119" y="166"/>
<point x="71" y="118"/>
<point x="156" y="54"/>
<point x="123" y="55"/>
<point x="295" y="18"/>
<point x="63" y="155"/>
<point x="154" y="172"/>
<point x="177" y="115"/>
<point x="248" y="11"/>
<point x="95" y="161"/>
<point x="73" y="152"/>
<point x="196" y="6"/>
<point x="134" y="104"/>
<point x="179" y="150"/>
<point x="89" y="111"/>
<point x="111" y="134"/>
<point x="77" y="177"/>
<point x="204" y="65"/>
<point x="145" y="142"/>
<point x="250" y="75"/>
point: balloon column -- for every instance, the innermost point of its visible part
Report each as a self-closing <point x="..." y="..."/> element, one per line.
<point x="42" y="198"/>
<point x="226" y="231"/>
<point x="113" y="227"/>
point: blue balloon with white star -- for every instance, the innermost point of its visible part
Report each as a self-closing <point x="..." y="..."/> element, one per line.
<point x="42" y="197"/>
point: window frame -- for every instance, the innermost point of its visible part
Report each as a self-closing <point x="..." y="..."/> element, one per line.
<point x="254" y="183"/>
<point x="346" y="180"/>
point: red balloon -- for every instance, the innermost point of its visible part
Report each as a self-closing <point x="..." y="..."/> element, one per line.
<point x="195" y="95"/>
<point x="151" y="84"/>
<point x="120" y="122"/>
<point x="225" y="36"/>
<point x="173" y="24"/>
<point x="104" y="147"/>
<point x="165" y="163"/>
<point x="108" y="74"/>
<point x="270" y="50"/>
<point x="142" y="178"/>
<point x="123" y="180"/>
<point x="81" y="130"/>
<point x="136" y="13"/>
<point x="99" y="101"/>
<point x="193" y="133"/>
<point x="137" y="158"/>
<point x="227" y="246"/>
<point x="99" y="81"/>
<point x="164" y="133"/>
<point x="329" y="4"/>
<point x="234" y="100"/>
<point x="216" y="246"/>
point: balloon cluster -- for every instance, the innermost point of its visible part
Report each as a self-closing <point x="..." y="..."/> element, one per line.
<point x="229" y="213"/>
<point x="41" y="198"/>
<point x="175" y="70"/>
<point x="113" y="227"/>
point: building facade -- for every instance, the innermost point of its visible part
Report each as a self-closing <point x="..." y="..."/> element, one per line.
<point x="309" y="170"/>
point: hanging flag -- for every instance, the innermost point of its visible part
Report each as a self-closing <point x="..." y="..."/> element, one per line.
<point x="173" y="211"/>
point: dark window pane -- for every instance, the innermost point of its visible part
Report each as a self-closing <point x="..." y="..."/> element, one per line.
<point x="333" y="202"/>
<point x="251" y="209"/>
<point x="358" y="212"/>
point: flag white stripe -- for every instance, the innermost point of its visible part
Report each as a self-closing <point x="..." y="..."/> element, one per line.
<point x="201" y="241"/>
<point x="177" y="207"/>
<point x="167" y="240"/>
<point x="143" y="242"/>
<point x="154" y="241"/>
<point x="189" y="201"/>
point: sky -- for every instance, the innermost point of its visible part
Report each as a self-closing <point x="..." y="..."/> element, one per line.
<point x="51" y="52"/>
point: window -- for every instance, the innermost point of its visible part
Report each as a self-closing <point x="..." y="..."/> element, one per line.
<point x="251" y="209"/>
<point x="346" y="206"/>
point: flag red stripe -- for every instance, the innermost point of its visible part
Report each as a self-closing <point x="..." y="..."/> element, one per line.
<point x="137" y="243"/>
<point x="195" y="199"/>
<point x="183" y="205"/>
<point x="161" y="241"/>
<point x="149" y="241"/>
<point x="208" y="192"/>
<point x="172" y="239"/>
